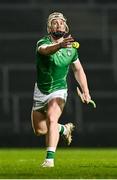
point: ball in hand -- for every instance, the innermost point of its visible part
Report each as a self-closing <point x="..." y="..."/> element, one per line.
<point x="75" y="45"/>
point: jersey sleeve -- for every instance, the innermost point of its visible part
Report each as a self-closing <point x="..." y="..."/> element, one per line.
<point x="39" y="43"/>
<point x="43" y="41"/>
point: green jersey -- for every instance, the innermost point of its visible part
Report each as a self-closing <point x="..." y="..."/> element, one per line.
<point x="52" y="69"/>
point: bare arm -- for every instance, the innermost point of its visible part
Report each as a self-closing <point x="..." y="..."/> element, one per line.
<point x="80" y="76"/>
<point x="52" y="48"/>
<point x="49" y="49"/>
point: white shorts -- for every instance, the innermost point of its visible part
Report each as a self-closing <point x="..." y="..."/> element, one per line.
<point x="41" y="100"/>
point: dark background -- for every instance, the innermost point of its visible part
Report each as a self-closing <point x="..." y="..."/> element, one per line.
<point x="94" y="24"/>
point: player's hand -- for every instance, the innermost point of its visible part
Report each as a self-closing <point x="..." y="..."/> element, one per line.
<point x="86" y="97"/>
<point x="66" y="42"/>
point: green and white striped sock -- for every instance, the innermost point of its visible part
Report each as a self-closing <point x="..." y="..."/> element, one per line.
<point x="50" y="153"/>
<point x="62" y="129"/>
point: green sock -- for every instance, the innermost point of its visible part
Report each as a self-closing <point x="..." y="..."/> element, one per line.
<point x="61" y="130"/>
<point x="50" y="155"/>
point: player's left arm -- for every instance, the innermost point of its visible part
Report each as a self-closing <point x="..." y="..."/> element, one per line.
<point x="81" y="78"/>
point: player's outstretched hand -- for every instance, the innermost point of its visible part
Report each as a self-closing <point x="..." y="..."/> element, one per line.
<point x="67" y="41"/>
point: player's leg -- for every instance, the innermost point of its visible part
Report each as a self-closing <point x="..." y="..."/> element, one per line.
<point x="55" y="108"/>
<point x="40" y="126"/>
<point x="39" y="122"/>
<point x="38" y="118"/>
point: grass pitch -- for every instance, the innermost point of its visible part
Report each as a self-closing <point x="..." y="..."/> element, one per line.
<point x="70" y="164"/>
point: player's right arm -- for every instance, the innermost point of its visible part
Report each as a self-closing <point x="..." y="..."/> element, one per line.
<point x="47" y="49"/>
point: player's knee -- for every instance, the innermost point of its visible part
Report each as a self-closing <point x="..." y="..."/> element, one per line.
<point x="52" y="119"/>
<point x="40" y="132"/>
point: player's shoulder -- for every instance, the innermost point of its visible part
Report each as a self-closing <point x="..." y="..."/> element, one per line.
<point x="44" y="39"/>
<point x="74" y="51"/>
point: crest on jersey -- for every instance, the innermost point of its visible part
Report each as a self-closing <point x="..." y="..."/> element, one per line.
<point x="69" y="52"/>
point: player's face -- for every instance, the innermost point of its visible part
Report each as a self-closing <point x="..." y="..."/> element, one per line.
<point x="57" y="25"/>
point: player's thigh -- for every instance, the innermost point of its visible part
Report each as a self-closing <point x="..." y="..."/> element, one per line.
<point x="55" y="108"/>
<point x="38" y="121"/>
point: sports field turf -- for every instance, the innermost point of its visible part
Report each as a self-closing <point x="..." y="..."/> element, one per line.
<point x="70" y="164"/>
